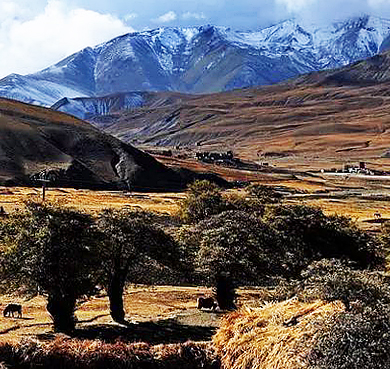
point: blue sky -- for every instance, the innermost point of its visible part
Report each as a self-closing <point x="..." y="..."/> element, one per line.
<point x="37" y="33"/>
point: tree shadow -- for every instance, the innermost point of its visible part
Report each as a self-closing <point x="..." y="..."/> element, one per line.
<point x="376" y="220"/>
<point x="163" y="331"/>
<point x="15" y="318"/>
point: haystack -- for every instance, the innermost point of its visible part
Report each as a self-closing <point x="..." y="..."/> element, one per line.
<point x="276" y="336"/>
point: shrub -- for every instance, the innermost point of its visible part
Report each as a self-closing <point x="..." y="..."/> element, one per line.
<point x="332" y="280"/>
<point x="354" y="340"/>
<point x="203" y="200"/>
<point x="265" y="194"/>
<point x="308" y="234"/>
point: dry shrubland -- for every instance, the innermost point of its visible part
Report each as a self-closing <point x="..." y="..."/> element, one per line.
<point x="84" y="354"/>
<point x="278" y="242"/>
<point x="267" y="337"/>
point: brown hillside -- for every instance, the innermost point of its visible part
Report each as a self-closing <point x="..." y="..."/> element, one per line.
<point x="308" y="119"/>
<point x="34" y="139"/>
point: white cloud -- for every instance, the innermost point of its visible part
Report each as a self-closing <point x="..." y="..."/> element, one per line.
<point x="30" y="44"/>
<point x="378" y="3"/>
<point x="166" y="18"/>
<point x="196" y="16"/>
<point x="295" y="5"/>
<point x="130" y="17"/>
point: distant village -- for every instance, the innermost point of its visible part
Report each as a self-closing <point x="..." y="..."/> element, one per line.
<point x="358" y="169"/>
<point x="226" y="158"/>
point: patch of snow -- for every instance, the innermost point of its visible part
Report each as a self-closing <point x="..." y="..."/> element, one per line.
<point x="166" y="62"/>
<point x="170" y="38"/>
<point x="126" y="51"/>
<point x="189" y="33"/>
<point x="209" y="65"/>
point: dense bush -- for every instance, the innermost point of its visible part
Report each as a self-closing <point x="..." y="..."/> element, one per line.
<point x="203" y="200"/>
<point x="354" y="340"/>
<point x="332" y="280"/>
<point x="297" y="234"/>
<point x="358" y="338"/>
<point x="308" y="234"/>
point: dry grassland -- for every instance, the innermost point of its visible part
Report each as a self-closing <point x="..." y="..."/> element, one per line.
<point x="337" y="196"/>
<point x="12" y="198"/>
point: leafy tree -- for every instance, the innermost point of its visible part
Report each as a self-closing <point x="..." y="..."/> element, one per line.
<point x="130" y="238"/>
<point x="236" y="246"/>
<point x="203" y="200"/>
<point x="51" y="249"/>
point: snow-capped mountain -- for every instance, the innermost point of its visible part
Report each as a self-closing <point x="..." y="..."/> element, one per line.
<point x="201" y="60"/>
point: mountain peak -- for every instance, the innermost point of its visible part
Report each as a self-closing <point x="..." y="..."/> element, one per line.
<point x="202" y="59"/>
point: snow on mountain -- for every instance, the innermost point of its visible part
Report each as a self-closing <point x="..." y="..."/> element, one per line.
<point x="86" y="107"/>
<point x="35" y="91"/>
<point x="201" y="59"/>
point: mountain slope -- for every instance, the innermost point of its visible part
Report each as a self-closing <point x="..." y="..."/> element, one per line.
<point x="71" y="152"/>
<point x="372" y="71"/>
<point x="330" y="116"/>
<point x="89" y="107"/>
<point x="201" y="60"/>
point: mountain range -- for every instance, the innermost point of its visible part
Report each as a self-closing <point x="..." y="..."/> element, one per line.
<point x="202" y="60"/>
<point x="327" y="117"/>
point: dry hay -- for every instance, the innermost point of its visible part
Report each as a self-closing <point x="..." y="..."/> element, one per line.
<point x="276" y="336"/>
<point x="68" y="353"/>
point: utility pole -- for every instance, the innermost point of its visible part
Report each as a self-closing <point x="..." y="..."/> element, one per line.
<point x="44" y="181"/>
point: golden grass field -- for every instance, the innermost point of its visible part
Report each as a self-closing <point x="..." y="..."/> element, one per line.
<point x="352" y="197"/>
<point x="91" y="201"/>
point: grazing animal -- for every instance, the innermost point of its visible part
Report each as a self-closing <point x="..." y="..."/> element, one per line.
<point x="10" y="309"/>
<point x="206" y="303"/>
<point x="377" y="215"/>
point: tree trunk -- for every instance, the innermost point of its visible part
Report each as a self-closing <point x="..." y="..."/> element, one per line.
<point x="115" y="294"/>
<point x="225" y="293"/>
<point x="61" y="309"/>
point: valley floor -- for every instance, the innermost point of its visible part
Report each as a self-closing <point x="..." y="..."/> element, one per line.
<point x="355" y="196"/>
